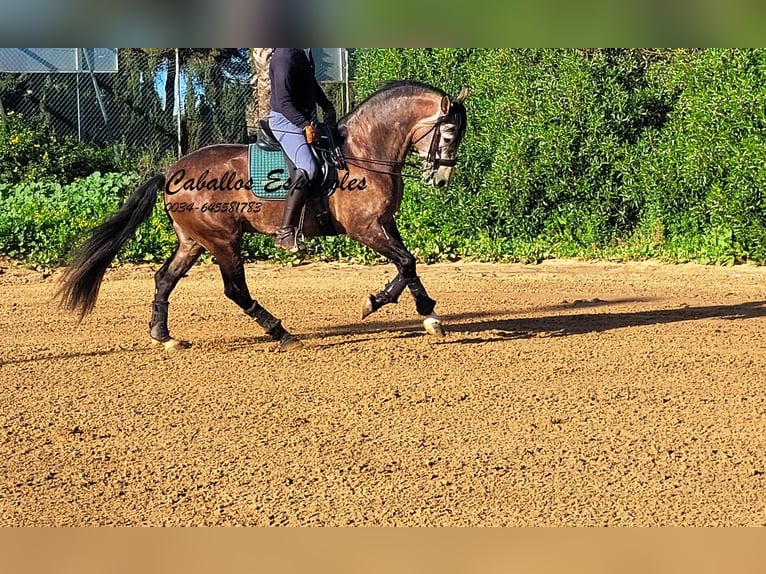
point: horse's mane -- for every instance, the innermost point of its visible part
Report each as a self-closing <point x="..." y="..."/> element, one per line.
<point x="390" y="88"/>
<point x="387" y="86"/>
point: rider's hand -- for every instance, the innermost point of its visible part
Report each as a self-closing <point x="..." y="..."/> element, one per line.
<point x="311" y="133"/>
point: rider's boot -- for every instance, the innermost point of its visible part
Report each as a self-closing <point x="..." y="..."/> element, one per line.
<point x="287" y="235"/>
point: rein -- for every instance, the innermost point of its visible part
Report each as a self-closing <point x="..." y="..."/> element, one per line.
<point x="356" y="159"/>
<point x="431" y="161"/>
<point x="384" y="162"/>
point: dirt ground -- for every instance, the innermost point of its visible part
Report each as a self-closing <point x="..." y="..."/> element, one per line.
<point x="566" y="393"/>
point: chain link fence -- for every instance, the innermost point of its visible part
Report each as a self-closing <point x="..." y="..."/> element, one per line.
<point x="158" y="101"/>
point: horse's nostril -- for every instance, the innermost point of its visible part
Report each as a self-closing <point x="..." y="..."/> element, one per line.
<point x="441" y="183"/>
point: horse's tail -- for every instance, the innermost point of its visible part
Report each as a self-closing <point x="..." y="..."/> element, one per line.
<point x="82" y="279"/>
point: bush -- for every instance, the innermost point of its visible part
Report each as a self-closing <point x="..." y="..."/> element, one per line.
<point x="37" y="155"/>
<point x="40" y="222"/>
<point x="622" y="153"/>
<point x="701" y="175"/>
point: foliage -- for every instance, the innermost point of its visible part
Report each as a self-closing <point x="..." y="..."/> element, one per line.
<point x="626" y="153"/>
<point x="41" y="221"/>
<point x="139" y="101"/>
<point x="38" y="155"/>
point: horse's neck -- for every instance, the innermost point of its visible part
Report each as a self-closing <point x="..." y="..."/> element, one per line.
<point x="383" y="141"/>
<point x="384" y="135"/>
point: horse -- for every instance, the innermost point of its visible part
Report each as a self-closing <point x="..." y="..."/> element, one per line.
<point x="376" y="138"/>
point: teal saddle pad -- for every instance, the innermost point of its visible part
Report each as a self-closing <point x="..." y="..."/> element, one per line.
<point x="268" y="173"/>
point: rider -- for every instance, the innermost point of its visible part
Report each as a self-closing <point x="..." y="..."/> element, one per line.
<point x="295" y="94"/>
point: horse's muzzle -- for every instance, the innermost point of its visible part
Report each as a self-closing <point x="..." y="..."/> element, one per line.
<point x="441" y="176"/>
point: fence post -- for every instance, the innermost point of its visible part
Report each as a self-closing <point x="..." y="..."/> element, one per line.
<point x="346" y="86"/>
<point x="177" y="88"/>
<point x="78" y="65"/>
<point x="3" y="118"/>
<point x="99" y="99"/>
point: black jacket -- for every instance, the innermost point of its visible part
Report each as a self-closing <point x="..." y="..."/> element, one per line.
<point x="295" y="92"/>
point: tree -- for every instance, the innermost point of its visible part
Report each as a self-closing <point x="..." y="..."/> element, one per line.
<point x="166" y="57"/>
<point x="258" y="105"/>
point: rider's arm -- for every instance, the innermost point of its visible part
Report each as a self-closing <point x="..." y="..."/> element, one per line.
<point x="284" y="83"/>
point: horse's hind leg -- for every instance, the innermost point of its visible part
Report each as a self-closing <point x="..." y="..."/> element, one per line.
<point x="388" y="242"/>
<point x="235" y="288"/>
<point x="165" y="280"/>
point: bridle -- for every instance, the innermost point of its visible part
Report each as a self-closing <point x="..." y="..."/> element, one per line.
<point x="430" y="164"/>
<point x="433" y="161"/>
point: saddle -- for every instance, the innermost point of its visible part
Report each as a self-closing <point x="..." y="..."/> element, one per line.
<point x="327" y="153"/>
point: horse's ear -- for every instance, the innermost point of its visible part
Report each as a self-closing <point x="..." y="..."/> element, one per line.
<point x="462" y="95"/>
<point x="445" y="104"/>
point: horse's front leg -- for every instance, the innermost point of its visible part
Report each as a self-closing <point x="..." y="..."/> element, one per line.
<point x="425" y="306"/>
<point x="389" y="243"/>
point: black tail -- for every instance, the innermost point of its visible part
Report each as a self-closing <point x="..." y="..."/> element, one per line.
<point x="82" y="279"/>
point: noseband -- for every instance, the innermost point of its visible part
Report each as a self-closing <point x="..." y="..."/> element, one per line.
<point x="433" y="161"/>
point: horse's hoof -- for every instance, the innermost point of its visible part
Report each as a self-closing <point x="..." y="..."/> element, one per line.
<point x="289" y="343"/>
<point x="367" y="308"/>
<point x="433" y="325"/>
<point x="172" y="345"/>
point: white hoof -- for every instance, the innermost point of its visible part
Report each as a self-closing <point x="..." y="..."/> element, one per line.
<point x="367" y="307"/>
<point x="433" y="325"/>
<point x="172" y="345"/>
<point x="289" y="343"/>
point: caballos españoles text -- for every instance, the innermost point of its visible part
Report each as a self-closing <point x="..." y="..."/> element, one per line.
<point x="229" y="181"/>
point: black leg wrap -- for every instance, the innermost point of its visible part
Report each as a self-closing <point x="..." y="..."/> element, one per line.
<point x="267" y="321"/>
<point x="394" y="288"/>
<point x="158" y="325"/>
<point x="382" y="298"/>
<point x="423" y="303"/>
<point x="390" y="293"/>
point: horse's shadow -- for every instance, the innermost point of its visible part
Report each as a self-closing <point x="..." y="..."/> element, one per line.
<point x="587" y="322"/>
<point x="479" y="326"/>
<point x="495" y="325"/>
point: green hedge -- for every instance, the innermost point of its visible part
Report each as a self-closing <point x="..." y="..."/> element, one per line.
<point x="617" y="153"/>
<point x="42" y="222"/>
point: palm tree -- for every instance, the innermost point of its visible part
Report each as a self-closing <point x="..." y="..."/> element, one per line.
<point x="166" y="57"/>
<point x="258" y="105"/>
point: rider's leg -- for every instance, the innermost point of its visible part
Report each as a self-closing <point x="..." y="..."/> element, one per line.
<point x="294" y="144"/>
<point x="296" y="197"/>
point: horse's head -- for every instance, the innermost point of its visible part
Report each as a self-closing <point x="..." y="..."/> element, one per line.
<point x="446" y="128"/>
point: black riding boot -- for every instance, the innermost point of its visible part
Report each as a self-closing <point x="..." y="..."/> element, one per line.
<point x="287" y="236"/>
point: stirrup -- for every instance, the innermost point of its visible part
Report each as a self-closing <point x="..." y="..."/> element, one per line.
<point x="287" y="238"/>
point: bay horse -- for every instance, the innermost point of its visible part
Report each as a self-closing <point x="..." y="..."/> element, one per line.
<point x="377" y="137"/>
